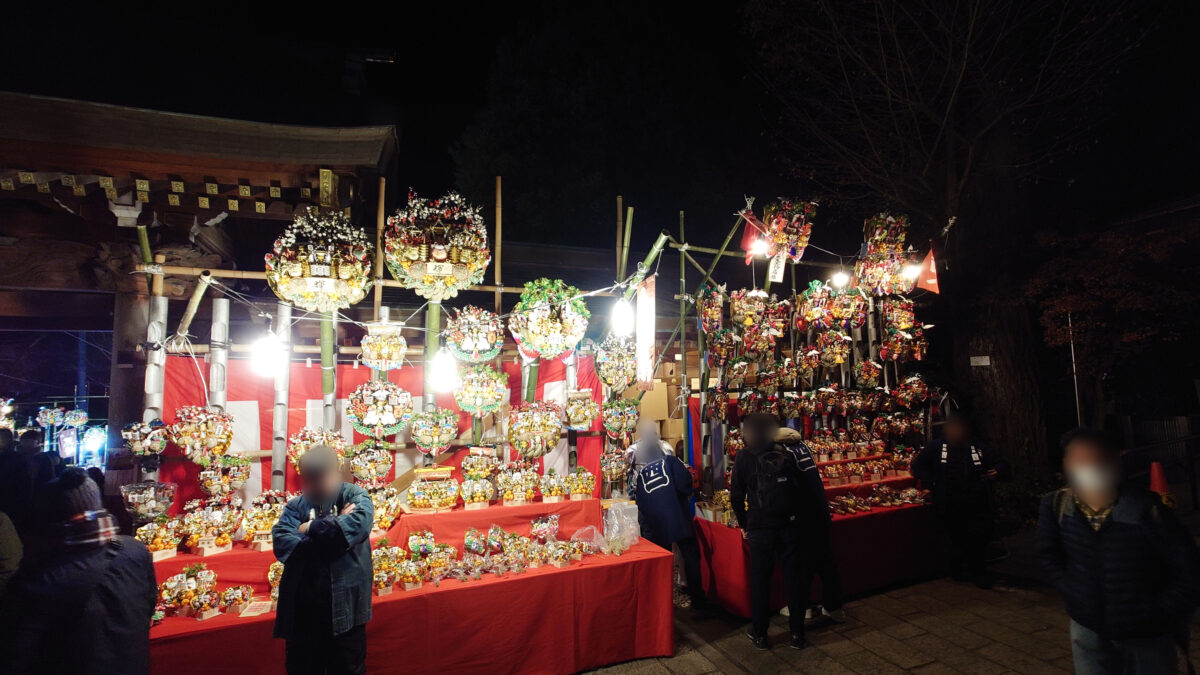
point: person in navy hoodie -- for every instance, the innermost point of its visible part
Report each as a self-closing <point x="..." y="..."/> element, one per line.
<point x="1128" y="570"/>
<point x="662" y="489"/>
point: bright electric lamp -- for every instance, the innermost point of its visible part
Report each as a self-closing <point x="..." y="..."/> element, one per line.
<point x="268" y="356"/>
<point x="912" y="271"/>
<point x="840" y="279"/>
<point x="622" y="319"/>
<point x="758" y="247"/>
<point x="443" y="372"/>
<point x="94" y="439"/>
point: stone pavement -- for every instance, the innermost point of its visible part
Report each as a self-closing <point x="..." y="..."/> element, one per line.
<point x="934" y="627"/>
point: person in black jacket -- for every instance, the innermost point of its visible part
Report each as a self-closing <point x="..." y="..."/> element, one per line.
<point x="1128" y="570"/>
<point x="662" y="489"/>
<point x="959" y="472"/>
<point x="781" y="511"/>
<point x="84" y="605"/>
<point x="819" y="535"/>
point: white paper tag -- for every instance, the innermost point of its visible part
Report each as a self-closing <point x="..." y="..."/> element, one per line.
<point x="439" y="269"/>
<point x="775" y="269"/>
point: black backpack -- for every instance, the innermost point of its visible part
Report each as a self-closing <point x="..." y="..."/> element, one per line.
<point x="779" y="492"/>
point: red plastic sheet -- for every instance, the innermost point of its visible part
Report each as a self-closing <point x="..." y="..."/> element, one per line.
<point x="601" y="610"/>
<point x="873" y="550"/>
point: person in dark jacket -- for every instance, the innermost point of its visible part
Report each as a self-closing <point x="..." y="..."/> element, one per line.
<point x="959" y="473"/>
<point x="781" y="512"/>
<point x="84" y="605"/>
<point x="325" y="592"/>
<point x="662" y="490"/>
<point x="819" y="535"/>
<point x="1128" y="570"/>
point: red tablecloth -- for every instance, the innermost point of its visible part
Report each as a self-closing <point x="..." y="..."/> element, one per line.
<point x="450" y="527"/>
<point x="873" y="550"/>
<point x="601" y="610"/>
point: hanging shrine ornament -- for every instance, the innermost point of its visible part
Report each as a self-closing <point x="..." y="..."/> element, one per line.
<point x="620" y="419"/>
<point x="75" y="418"/>
<point x="383" y="346"/>
<point x="379" y="408"/>
<point x="866" y="374"/>
<point x="49" y="418"/>
<point x="581" y="410"/>
<point x="481" y="390"/>
<point x="437" y="247"/>
<point x="709" y="304"/>
<point x="321" y="262"/>
<point x="474" y="335"/>
<point x="534" y="428"/>
<point x="789" y="225"/>
<point x="201" y="433"/>
<point x="880" y="270"/>
<point x="898" y="313"/>
<point x="834" y="346"/>
<point x="616" y="363"/>
<point x="302" y="441"/>
<point x="550" y="318"/>
<point x="433" y="430"/>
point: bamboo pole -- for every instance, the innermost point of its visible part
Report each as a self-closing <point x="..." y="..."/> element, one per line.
<point x="620" y="232"/>
<point x="625" y="245"/>
<point x="643" y="267"/>
<point x="433" y="326"/>
<point x="279" y="408"/>
<point x="329" y="371"/>
<point x="380" y="222"/>
<point x="687" y="443"/>
<point x="499" y="245"/>
<point x="217" y="365"/>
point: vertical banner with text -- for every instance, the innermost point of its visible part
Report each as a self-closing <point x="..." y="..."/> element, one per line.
<point x="645" y="334"/>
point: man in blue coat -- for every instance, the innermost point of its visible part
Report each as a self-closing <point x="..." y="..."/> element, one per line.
<point x="1128" y="570"/>
<point x="325" y="592"/>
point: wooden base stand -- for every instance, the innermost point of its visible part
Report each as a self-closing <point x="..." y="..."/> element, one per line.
<point x="163" y="554"/>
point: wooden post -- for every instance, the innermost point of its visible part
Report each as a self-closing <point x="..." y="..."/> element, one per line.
<point x="380" y="223"/>
<point x="499" y="240"/>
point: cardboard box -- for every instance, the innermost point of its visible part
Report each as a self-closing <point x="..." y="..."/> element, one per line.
<point x="654" y="402"/>
<point x="672" y="428"/>
<point x="712" y="382"/>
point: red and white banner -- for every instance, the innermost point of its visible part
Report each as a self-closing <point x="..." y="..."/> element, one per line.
<point x="249" y="398"/>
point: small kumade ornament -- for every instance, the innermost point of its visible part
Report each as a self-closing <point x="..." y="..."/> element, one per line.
<point x="433" y="430"/>
<point x="616" y="363"/>
<point x="534" y="428"/>
<point x="379" y="408"/>
<point x="437" y="247"/>
<point x="303" y="440"/>
<point x="481" y="390"/>
<point x="620" y="419"/>
<point x="383" y="346"/>
<point x="474" y="335"/>
<point x="51" y="417"/>
<point x="789" y="225"/>
<point x="834" y="346"/>
<point x="201" y="433"/>
<point x="581" y="410"/>
<point x="709" y="304"/>
<point x="321" y="262"/>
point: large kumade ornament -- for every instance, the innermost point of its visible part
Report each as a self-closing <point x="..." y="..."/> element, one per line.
<point x="746" y="307"/>
<point x="222" y="475"/>
<point x="616" y="363"/>
<point x="321" y="262"/>
<point x="433" y="430"/>
<point x="51" y="417"/>
<point x="370" y="464"/>
<point x="880" y="270"/>
<point x="898" y="313"/>
<point x="383" y="346"/>
<point x="789" y="225"/>
<point x="437" y="247"/>
<point x="758" y="338"/>
<point x="474" y="335"/>
<point x="75" y="418"/>
<point x="709" y="302"/>
<point x="302" y="441"/>
<point x="379" y="408"/>
<point x="481" y="390"/>
<point x="201" y="433"/>
<point x="549" y="319"/>
<point x="145" y="438"/>
<point x="534" y="428"/>
<point x="834" y="346"/>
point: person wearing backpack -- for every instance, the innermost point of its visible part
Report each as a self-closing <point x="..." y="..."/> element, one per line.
<point x="775" y="510"/>
<point x="84" y="604"/>
<point x="1128" y="570"/>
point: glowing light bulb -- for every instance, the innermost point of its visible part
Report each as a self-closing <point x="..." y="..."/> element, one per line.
<point x="444" y="372"/>
<point x="758" y="247"/>
<point x="268" y="357"/>
<point x="622" y="319"/>
<point x="840" y="279"/>
<point x="912" y="271"/>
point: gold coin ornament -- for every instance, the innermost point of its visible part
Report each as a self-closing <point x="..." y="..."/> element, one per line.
<point x="474" y="335"/>
<point x="274" y="576"/>
<point x="437" y="247"/>
<point x="321" y="262"/>
<point x="549" y="319"/>
<point x="201" y="433"/>
<point x="379" y="408"/>
<point x="478" y="491"/>
<point x="300" y="442"/>
<point x="616" y="363"/>
<point x="534" y="428"/>
<point x="434" y="430"/>
<point x="481" y="390"/>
